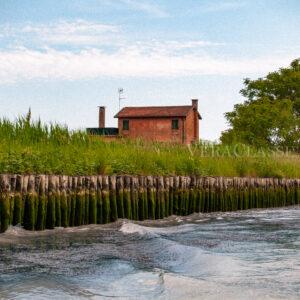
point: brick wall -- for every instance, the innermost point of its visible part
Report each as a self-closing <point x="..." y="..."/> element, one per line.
<point x="192" y="127"/>
<point x="155" y="129"/>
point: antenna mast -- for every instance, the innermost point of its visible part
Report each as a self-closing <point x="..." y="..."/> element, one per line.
<point x="120" y="92"/>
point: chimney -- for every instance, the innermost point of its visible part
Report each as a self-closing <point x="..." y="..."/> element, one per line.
<point x="101" y="116"/>
<point x="195" y="103"/>
<point x="196" y="120"/>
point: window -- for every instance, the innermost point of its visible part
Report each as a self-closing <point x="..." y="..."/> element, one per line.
<point x="125" y="124"/>
<point x="175" y="124"/>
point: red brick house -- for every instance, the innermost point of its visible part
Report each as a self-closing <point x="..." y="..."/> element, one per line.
<point x="155" y="123"/>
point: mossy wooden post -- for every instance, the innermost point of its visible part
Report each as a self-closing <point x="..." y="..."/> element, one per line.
<point x="145" y="197"/>
<point x="57" y="202"/>
<point x="214" y="195"/>
<point x="12" y="187"/>
<point x="192" y="195"/>
<point x="18" y="203"/>
<point x="127" y="198"/>
<point x="219" y="193"/>
<point x="30" y="208"/>
<point x="187" y="194"/>
<point x="161" y="197"/>
<point x="41" y="206"/>
<point x="105" y="198"/>
<point x="51" y="215"/>
<point x="120" y="196"/>
<point x="85" y="190"/>
<point x="4" y="203"/>
<point x="69" y="198"/>
<point x="79" y="203"/>
<point x="181" y="203"/>
<point x="135" y="197"/>
<point x="63" y="186"/>
<point x="157" y="198"/>
<point x="171" y="195"/>
<point x="151" y="197"/>
<point x="73" y="201"/>
<point x="199" y="194"/>
<point x="297" y="191"/>
<point x="251" y="193"/>
<point x="141" y="199"/>
<point x="92" y="200"/>
<point x="182" y="196"/>
<point x="81" y="186"/>
<point x="176" y="193"/>
<point x="209" y="195"/>
<point x="167" y="195"/>
<point x="113" y="198"/>
<point x="99" y="200"/>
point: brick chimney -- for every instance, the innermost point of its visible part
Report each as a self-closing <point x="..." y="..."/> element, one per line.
<point x="101" y="116"/>
<point x="196" y="120"/>
<point x="195" y="103"/>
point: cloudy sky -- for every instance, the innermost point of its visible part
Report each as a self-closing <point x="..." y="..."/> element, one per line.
<point x="64" y="58"/>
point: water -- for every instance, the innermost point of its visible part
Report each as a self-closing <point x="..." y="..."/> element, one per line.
<point x="251" y="254"/>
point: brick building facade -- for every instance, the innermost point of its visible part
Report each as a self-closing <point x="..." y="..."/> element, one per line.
<point x="160" y="123"/>
<point x="179" y="124"/>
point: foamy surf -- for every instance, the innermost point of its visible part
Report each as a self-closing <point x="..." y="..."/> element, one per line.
<point x="130" y="228"/>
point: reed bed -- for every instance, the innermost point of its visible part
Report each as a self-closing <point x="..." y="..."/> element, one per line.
<point x="31" y="147"/>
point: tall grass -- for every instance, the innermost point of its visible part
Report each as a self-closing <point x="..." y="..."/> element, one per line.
<point x="28" y="146"/>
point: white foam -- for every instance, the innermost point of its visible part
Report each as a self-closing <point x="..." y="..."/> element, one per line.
<point x="129" y="228"/>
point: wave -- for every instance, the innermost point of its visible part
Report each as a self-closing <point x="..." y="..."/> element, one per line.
<point x="131" y="228"/>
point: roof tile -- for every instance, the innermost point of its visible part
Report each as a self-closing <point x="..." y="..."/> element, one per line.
<point x="153" y="111"/>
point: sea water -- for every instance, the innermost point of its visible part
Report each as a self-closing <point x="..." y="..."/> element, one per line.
<point x="252" y="254"/>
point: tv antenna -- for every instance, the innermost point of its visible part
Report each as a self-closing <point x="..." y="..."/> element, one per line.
<point x="120" y="92"/>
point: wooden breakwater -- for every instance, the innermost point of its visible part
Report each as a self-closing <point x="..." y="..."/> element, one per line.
<point x="48" y="201"/>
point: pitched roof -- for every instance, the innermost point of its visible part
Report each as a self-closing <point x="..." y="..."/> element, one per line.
<point x="154" y="111"/>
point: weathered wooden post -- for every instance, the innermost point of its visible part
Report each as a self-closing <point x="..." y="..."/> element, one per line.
<point x="112" y="198"/>
<point x="127" y="197"/>
<point x="42" y="202"/>
<point x="30" y="206"/>
<point x="4" y="203"/>
<point x="99" y="200"/>
<point x="105" y="198"/>
<point x="151" y="195"/>
<point x="161" y="197"/>
<point x="18" y="205"/>
<point x="120" y="196"/>
<point x="92" y="200"/>
<point x="134" y="197"/>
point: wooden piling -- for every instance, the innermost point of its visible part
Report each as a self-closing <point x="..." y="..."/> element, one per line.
<point x="46" y="201"/>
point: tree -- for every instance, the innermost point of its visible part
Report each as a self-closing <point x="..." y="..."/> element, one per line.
<point x="270" y="116"/>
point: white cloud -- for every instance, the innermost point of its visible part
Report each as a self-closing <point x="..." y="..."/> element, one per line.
<point x="77" y="32"/>
<point x="151" y="9"/>
<point x="216" y="6"/>
<point x="93" y="50"/>
<point x="26" y="64"/>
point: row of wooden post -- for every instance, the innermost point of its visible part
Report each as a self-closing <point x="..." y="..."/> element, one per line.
<point x="47" y="201"/>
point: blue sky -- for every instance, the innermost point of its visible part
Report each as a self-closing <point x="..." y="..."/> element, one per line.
<point x="64" y="58"/>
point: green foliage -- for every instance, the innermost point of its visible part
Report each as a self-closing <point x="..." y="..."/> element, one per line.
<point x="28" y="147"/>
<point x="270" y="117"/>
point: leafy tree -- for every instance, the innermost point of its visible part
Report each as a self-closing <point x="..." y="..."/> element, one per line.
<point x="270" y="116"/>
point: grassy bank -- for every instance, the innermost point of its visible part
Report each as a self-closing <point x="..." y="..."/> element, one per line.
<point x="32" y="147"/>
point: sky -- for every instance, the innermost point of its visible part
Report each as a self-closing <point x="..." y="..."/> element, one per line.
<point x="64" y="58"/>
